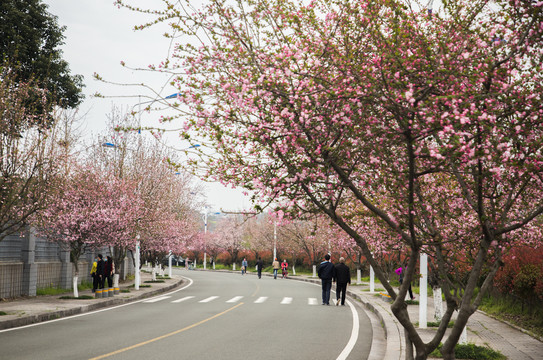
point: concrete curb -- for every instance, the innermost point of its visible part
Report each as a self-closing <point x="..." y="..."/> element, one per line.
<point x="84" y="308"/>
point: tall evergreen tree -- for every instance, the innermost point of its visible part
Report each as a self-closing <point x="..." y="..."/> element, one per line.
<point x="30" y="39"/>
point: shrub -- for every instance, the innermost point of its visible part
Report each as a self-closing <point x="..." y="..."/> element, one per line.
<point x="522" y="274"/>
<point x="471" y="352"/>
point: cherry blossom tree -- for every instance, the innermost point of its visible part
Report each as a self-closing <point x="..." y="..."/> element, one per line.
<point x="167" y="223"/>
<point x="309" y="237"/>
<point x="92" y="210"/>
<point x="260" y="234"/>
<point x="430" y="120"/>
<point x="229" y="236"/>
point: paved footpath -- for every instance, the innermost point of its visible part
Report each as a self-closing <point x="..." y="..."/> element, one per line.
<point x="388" y="341"/>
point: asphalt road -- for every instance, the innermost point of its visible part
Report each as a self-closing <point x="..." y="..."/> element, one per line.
<point x="215" y="316"/>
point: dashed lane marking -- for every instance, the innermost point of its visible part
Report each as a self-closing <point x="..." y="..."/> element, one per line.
<point x="157" y="299"/>
<point x="209" y="299"/>
<point x="286" y="301"/>
<point x="182" y="299"/>
<point x="235" y="299"/>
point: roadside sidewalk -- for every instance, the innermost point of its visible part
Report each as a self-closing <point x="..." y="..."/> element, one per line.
<point x="30" y="310"/>
<point x="482" y="330"/>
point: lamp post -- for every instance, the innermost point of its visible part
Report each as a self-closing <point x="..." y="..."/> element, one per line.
<point x="275" y="240"/>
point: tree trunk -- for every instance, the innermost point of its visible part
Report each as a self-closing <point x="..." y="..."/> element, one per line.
<point x="358" y="276"/>
<point x="76" y="292"/>
<point x="153" y="272"/>
<point x="116" y="283"/>
<point x="438" y="304"/>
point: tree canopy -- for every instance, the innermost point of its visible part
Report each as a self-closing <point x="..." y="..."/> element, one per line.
<point x="430" y="122"/>
<point x="30" y="40"/>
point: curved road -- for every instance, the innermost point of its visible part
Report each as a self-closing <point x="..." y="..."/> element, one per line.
<point x="215" y="316"/>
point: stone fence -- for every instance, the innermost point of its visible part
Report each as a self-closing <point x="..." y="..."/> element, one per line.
<point x="28" y="263"/>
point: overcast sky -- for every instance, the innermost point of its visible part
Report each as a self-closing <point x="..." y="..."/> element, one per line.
<point x="98" y="37"/>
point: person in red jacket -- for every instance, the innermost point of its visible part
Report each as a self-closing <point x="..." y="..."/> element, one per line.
<point x="284" y="267"/>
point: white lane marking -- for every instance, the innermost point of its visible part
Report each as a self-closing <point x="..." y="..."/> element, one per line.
<point x="312" y="301"/>
<point x="182" y="299"/>
<point x="96" y="311"/>
<point x="235" y="299"/>
<point x="157" y="299"/>
<point x="261" y="299"/>
<point x="354" y="334"/>
<point x="286" y="300"/>
<point x="209" y="299"/>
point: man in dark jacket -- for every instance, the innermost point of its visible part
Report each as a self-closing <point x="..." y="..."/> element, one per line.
<point x="326" y="273"/>
<point x="342" y="278"/>
<point x="259" y="266"/>
<point x="101" y="271"/>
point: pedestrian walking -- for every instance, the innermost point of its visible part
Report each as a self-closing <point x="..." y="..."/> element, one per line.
<point x="284" y="268"/>
<point x="100" y="271"/>
<point x="400" y="272"/>
<point x="276" y="267"/>
<point x="326" y="273"/>
<point x="342" y="278"/>
<point x="94" y="275"/>
<point x="259" y="266"/>
<point x="244" y="266"/>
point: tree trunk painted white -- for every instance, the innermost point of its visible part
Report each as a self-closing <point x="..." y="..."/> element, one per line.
<point x="463" y="337"/>
<point x="116" y="284"/>
<point x="372" y="280"/>
<point x="234" y="266"/>
<point x="314" y="270"/>
<point x="74" y="284"/>
<point x="358" y="276"/>
<point x="170" y="265"/>
<point x="423" y="292"/>
<point x="438" y="304"/>
<point x="213" y="265"/>
<point x="153" y="274"/>
<point x="137" y="278"/>
<point x="293" y="270"/>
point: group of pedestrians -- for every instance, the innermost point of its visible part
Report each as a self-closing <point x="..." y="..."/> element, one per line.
<point x="340" y="274"/>
<point x="328" y="273"/>
<point x="260" y="265"/>
<point x="283" y="266"/>
<point x="102" y="271"/>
